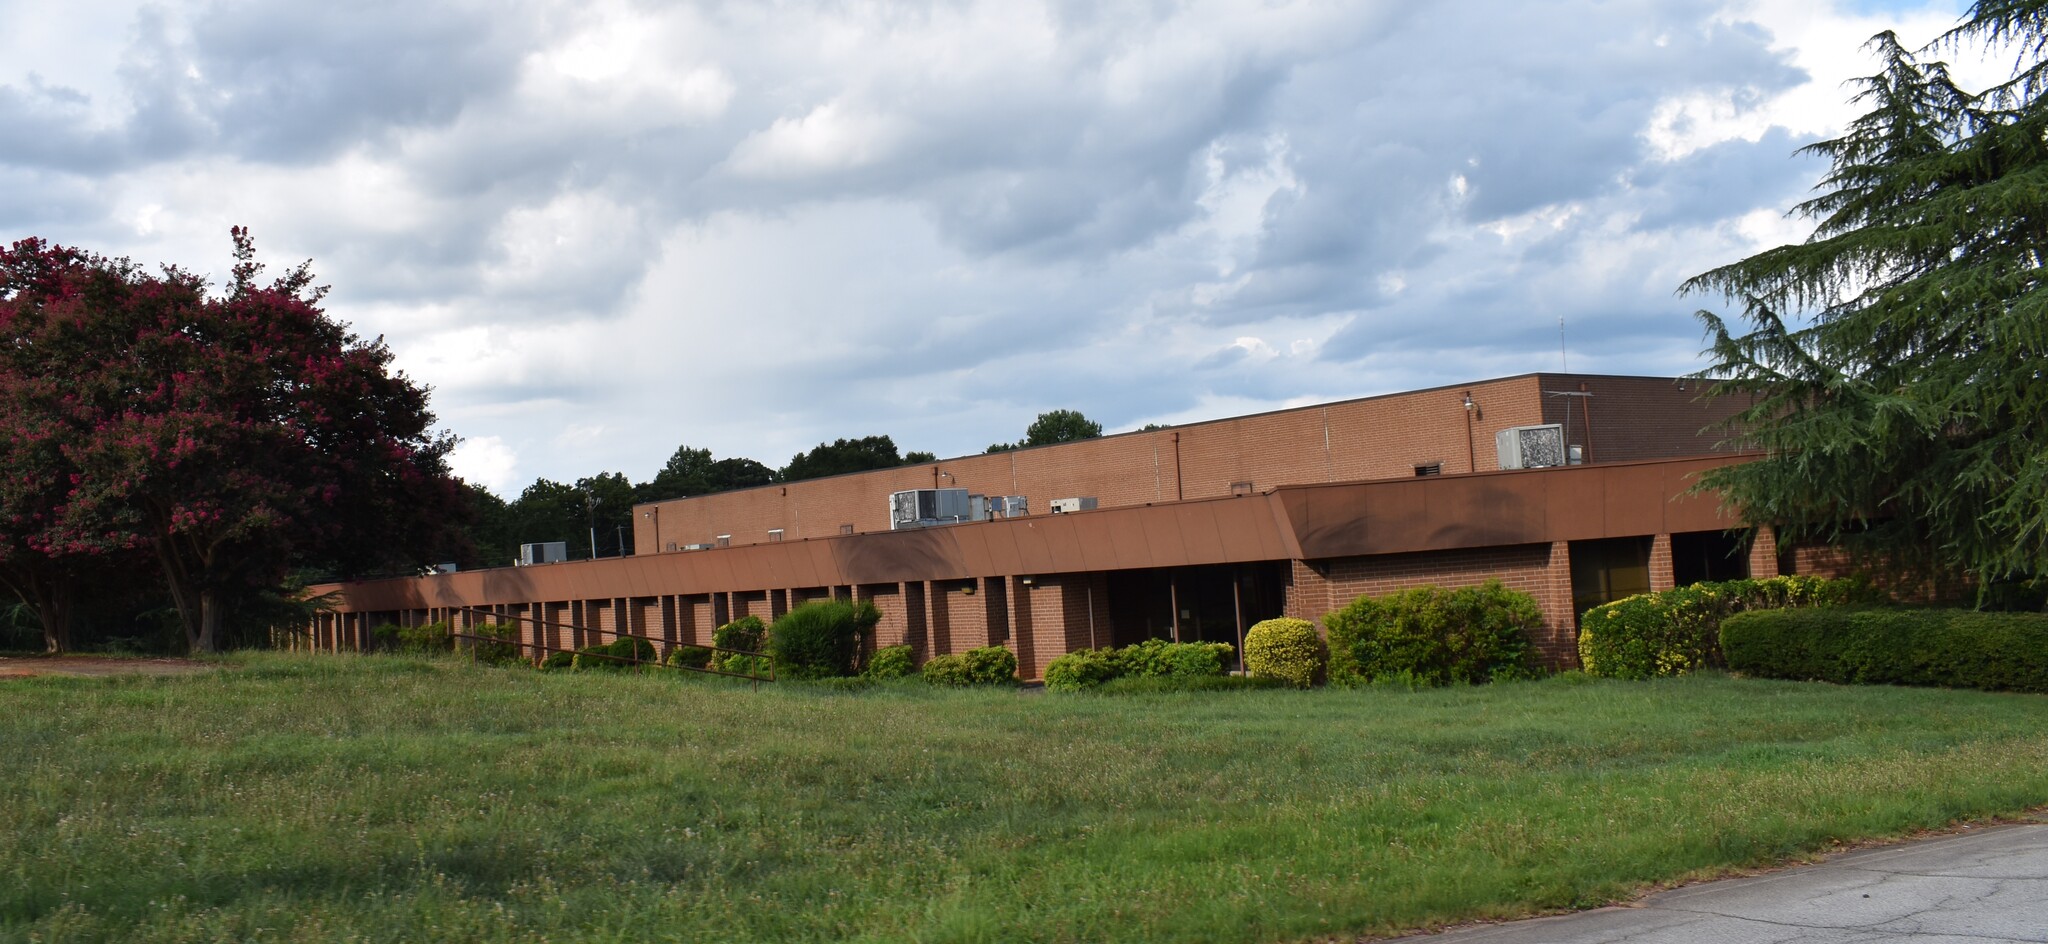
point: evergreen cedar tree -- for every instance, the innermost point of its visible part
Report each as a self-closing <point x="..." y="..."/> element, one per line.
<point x="1895" y="357"/>
<point x="219" y="441"/>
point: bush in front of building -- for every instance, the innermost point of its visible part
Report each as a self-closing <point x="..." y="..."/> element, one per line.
<point x="613" y="656"/>
<point x="1428" y="636"/>
<point x="891" y="662"/>
<point x="821" y="639"/>
<point x="424" y="639"/>
<point x="500" y="645"/>
<point x="989" y="665"/>
<point x="748" y="633"/>
<point x="1677" y="631"/>
<point x="1287" y="649"/>
<point x="1152" y="658"/>
<point x="1948" y="648"/>
<point x="690" y="657"/>
<point x="1081" y="668"/>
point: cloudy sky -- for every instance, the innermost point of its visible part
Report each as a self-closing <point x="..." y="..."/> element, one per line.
<point x="603" y="229"/>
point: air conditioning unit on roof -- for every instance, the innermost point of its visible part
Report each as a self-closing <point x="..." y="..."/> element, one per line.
<point x="1530" y="447"/>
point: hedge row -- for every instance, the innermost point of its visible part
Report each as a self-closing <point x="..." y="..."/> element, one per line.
<point x="989" y="665"/>
<point x="1153" y="658"/>
<point x="1948" y="648"/>
<point x="1676" y="631"/>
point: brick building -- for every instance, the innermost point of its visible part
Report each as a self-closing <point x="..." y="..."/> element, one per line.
<point x="1199" y="531"/>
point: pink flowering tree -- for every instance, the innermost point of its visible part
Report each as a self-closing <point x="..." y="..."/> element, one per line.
<point x="231" y="438"/>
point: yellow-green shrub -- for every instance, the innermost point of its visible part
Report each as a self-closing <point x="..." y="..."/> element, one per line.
<point x="1287" y="649"/>
<point x="1676" y="631"/>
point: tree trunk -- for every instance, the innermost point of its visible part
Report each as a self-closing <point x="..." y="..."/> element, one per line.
<point x="209" y="621"/>
<point x="55" y="612"/>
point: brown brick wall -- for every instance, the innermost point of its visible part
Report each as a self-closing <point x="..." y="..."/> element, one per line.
<point x="894" y="629"/>
<point x="1637" y="417"/>
<point x="959" y="620"/>
<point x="1378" y="437"/>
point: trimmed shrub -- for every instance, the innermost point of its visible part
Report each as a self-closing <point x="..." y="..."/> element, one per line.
<point x="611" y="656"/>
<point x="423" y="639"/>
<point x="557" y="660"/>
<point x="1433" y="636"/>
<point x="1673" y="632"/>
<point x="749" y="633"/>
<point x="989" y="665"/>
<point x="1082" y="668"/>
<point x="1158" y="657"/>
<point x="819" y="639"/>
<point x="1153" y="658"/>
<point x="1287" y="649"/>
<point x="690" y="657"/>
<point x="890" y="662"/>
<point x="1948" y="648"/>
<point x="503" y="647"/>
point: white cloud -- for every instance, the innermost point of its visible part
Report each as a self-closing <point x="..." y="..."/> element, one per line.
<point x="488" y="462"/>
<point x="601" y="230"/>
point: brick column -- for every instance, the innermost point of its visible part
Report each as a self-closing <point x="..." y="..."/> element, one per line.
<point x="1660" y="564"/>
<point x="1560" y="645"/>
<point x="1021" y="643"/>
<point x="1763" y="551"/>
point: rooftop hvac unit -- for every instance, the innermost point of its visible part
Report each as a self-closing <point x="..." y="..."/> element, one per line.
<point x="1061" y="506"/>
<point x="1008" y="506"/>
<point x="698" y="547"/>
<point x="924" y="507"/>
<point x="1530" y="447"/>
<point x="546" y="552"/>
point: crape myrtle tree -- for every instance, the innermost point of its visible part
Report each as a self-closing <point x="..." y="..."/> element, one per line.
<point x="1895" y="357"/>
<point x="230" y="439"/>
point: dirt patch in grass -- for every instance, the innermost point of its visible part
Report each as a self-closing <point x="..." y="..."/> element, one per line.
<point x="98" y="666"/>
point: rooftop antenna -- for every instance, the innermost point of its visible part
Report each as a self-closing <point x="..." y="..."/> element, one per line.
<point x="1562" y="359"/>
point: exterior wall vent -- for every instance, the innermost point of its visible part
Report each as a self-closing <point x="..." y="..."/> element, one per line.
<point x="1530" y="447"/>
<point x="725" y="540"/>
<point x="774" y="535"/>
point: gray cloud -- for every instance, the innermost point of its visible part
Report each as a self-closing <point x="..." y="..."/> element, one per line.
<point x="811" y="221"/>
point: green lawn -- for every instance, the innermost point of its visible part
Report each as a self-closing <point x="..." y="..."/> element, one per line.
<point x="389" y="799"/>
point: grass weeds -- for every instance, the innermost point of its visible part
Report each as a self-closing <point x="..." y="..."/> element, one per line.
<point x="388" y="798"/>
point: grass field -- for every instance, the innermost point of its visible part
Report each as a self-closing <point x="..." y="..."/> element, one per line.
<point x="389" y="799"/>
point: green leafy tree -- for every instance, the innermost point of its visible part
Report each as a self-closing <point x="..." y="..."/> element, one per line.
<point x="1894" y="357"/>
<point x="1058" y="426"/>
<point x="842" y="456"/>
<point x="693" y="472"/>
<point x="1053" y="426"/>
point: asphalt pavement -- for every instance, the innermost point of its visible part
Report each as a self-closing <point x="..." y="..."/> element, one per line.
<point x="1982" y="886"/>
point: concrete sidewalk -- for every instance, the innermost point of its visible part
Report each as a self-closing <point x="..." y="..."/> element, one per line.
<point x="1983" y="886"/>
